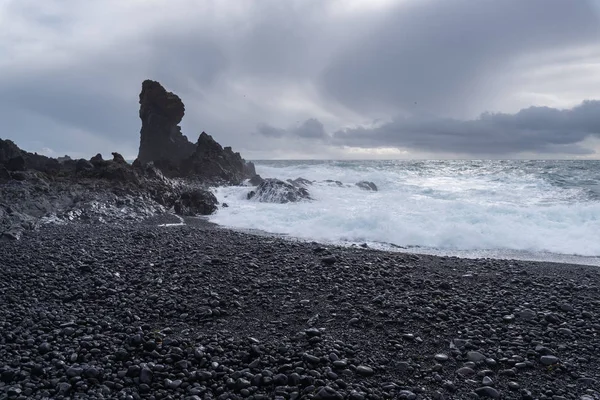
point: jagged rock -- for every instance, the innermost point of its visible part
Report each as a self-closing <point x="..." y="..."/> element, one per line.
<point x="97" y="160"/>
<point x="160" y="136"/>
<point x="300" y="182"/>
<point x="196" y="202"/>
<point x="277" y="191"/>
<point x="366" y="185"/>
<point x="118" y="158"/>
<point x="211" y="162"/>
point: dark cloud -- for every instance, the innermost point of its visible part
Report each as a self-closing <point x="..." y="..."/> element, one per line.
<point x="535" y="129"/>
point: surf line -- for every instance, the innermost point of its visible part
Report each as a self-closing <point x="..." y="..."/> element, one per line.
<point x="180" y="223"/>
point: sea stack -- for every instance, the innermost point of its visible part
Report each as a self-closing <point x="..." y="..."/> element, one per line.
<point x="160" y="137"/>
<point x="162" y="143"/>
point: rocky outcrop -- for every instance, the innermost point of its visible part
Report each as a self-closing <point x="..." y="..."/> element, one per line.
<point x="35" y="187"/>
<point x="161" y="140"/>
<point x="163" y="144"/>
<point x="94" y="191"/>
<point x="366" y="185"/>
<point x="277" y="191"/>
<point x="211" y="162"/>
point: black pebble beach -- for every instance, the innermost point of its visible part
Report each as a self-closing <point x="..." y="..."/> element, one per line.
<point x="141" y="311"/>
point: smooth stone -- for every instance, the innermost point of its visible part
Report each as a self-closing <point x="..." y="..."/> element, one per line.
<point x="441" y="357"/>
<point x="475" y="356"/>
<point x="365" y="370"/>
<point x="548" y="360"/>
<point x="487" y="391"/>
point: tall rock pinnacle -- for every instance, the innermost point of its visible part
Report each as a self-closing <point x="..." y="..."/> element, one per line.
<point x="161" y="137"/>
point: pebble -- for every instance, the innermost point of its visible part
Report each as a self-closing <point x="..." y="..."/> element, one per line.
<point x="475" y="356"/>
<point x="364" y="370"/>
<point x="548" y="360"/>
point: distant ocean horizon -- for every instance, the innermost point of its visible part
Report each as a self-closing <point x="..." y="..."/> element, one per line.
<point x="547" y="210"/>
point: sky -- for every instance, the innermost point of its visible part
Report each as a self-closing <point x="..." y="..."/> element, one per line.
<point x="308" y="79"/>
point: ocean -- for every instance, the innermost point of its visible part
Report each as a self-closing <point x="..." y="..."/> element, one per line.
<point x="525" y="210"/>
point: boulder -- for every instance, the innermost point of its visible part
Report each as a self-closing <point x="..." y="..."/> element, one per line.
<point x="277" y="191"/>
<point x="366" y="185"/>
<point x="160" y="136"/>
<point x="196" y="202"/>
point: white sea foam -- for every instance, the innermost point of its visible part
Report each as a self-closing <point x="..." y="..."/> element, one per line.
<point x="454" y="208"/>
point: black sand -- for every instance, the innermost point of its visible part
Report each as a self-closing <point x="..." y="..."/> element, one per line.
<point x="198" y="312"/>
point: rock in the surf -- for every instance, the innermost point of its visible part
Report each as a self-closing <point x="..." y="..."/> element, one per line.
<point x="300" y="182"/>
<point x="366" y="185"/>
<point x="277" y="191"/>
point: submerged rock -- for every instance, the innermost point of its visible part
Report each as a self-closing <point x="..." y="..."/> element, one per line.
<point x="366" y="185"/>
<point x="300" y="182"/>
<point x="277" y="191"/>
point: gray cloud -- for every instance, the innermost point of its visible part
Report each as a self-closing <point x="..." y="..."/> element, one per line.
<point x="437" y="56"/>
<point x="270" y="131"/>
<point x="535" y="129"/>
<point x="312" y="128"/>
<point x="72" y="70"/>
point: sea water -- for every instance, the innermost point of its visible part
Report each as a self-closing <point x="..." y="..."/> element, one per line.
<point x="532" y="210"/>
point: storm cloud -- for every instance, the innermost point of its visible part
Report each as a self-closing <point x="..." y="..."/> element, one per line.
<point x="535" y="129"/>
<point x="306" y="78"/>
